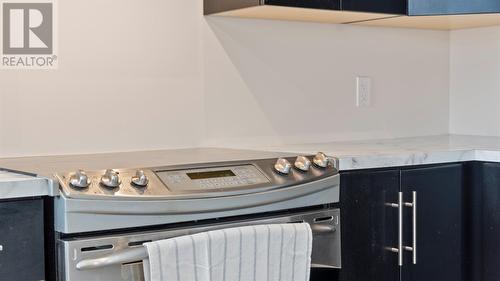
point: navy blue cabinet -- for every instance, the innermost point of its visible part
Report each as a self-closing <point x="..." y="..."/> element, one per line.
<point x="313" y="4"/>
<point x="484" y="221"/>
<point x="451" y="7"/>
<point x="441" y="201"/>
<point x="22" y="255"/>
<point x="398" y="7"/>
<point x="423" y="7"/>
<point x="370" y="224"/>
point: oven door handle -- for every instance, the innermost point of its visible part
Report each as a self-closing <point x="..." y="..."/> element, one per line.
<point x="119" y="257"/>
<point x="140" y="253"/>
<point x="322" y="228"/>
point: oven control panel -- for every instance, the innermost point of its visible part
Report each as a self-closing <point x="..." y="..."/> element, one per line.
<point x="197" y="180"/>
<point x="213" y="178"/>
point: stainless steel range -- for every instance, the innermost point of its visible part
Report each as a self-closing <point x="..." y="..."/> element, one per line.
<point x="103" y="217"/>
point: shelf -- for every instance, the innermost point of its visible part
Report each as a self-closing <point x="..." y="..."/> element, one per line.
<point x="303" y="14"/>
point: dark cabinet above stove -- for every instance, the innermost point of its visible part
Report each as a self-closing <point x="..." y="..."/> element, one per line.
<point x="398" y="7"/>
<point x="313" y="4"/>
<point x="452" y="7"/>
<point x="423" y="7"/>
<point x="217" y="6"/>
<point x="426" y="14"/>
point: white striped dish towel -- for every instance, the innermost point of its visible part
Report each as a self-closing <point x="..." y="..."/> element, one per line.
<point x="275" y="252"/>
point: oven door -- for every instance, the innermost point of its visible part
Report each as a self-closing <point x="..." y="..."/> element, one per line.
<point x="325" y="225"/>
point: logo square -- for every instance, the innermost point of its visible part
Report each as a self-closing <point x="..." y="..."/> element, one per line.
<point x="28" y="34"/>
<point x="27" y="28"/>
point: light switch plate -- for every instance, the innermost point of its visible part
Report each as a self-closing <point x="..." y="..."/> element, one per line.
<point x="363" y="91"/>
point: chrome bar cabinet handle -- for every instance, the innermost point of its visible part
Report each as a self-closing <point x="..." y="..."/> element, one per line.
<point x="399" y="249"/>
<point x="413" y="248"/>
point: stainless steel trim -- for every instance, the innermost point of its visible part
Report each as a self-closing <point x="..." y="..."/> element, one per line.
<point x="394" y="250"/>
<point x="400" y="229"/>
<point x="132" y="255"/>
<point x="399" y="249"/>
<point x="413" y="248"/>
<point x="158" y="190"/>
<point x="123" y="256"/>
<point x="140" y="253"/>
<point x="414" y="227"/>
<point x="393" y="205"/>
<point x="177" y="206"/>
<point x="322" y="229"/>
<point x="80" y="215"/>
<point x="126" y="253"/>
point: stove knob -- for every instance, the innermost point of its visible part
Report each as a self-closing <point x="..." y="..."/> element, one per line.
<point x="302" y="163"/>
<point x="79" y="180"/>
<point x="140" y="179"/>
<point x="321" y="160"/>
<point x="283" y="166"/>
<point x="110" y="179"/>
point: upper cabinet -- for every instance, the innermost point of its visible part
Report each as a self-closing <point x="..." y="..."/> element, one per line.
<point x="217" y="6"/>
<point x="425" y="14"/>
<point x="452" y="7"/>
<point x="326" y="11"/>
<point x="423" y="7"/>
<point x="313" y="4"/>
<point x="397" y="7"/>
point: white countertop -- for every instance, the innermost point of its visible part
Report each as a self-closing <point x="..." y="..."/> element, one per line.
<point x="17" y="185"/>
<point x="352" y="155"/>
<point x="404" y="151"/>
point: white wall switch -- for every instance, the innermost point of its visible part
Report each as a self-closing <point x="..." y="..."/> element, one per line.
<point x="363" y="91"/>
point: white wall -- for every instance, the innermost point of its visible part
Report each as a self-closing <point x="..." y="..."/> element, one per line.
<point x="129" y="78"/>
<point x="140" y="75"/>
<point x="475" y="81"/>
<point x="281" y="82"/>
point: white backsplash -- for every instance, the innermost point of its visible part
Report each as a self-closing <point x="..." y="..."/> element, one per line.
<point x="142" y="76"/>
<point x="288" y="82"/>
<point x="475" y="81"/>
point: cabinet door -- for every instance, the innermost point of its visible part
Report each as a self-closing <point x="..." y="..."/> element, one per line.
<point x="449" y="7"/>
<point x="379" y="6"/>
<point x="313" y="4"/>
<point x="21" y="237"/>
<point x="440" y="223"/>
<point x="368" y="225"/>
<point x="485" y="221"/>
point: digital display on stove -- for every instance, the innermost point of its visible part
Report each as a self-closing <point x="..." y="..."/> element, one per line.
<point x="210" y="174"/>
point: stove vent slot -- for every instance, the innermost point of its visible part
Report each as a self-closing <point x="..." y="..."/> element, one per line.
<point x="139" y="262"/>
<point x="138" y="243"/>
<point x="301" y="221"/>
<point x="97" y="248"/>
<point x="323" y="219"/>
